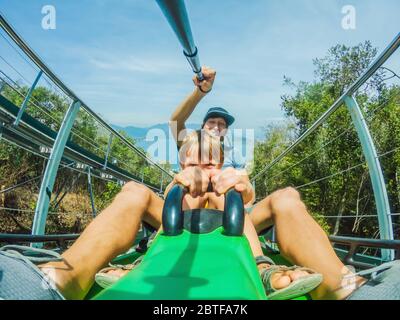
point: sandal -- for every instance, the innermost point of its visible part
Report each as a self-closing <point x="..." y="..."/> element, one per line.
<point x="296" y="288"/>
<point x="105" y="280"/>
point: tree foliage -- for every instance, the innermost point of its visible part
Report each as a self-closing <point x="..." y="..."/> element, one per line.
<point x="328" y="167"/>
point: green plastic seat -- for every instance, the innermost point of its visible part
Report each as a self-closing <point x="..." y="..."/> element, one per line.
<point x="201" y="254"/>
<point x="192" y="266"/>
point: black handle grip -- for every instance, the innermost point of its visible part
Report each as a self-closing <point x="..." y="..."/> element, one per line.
<point x="233" y="219"/>
<point x="172" y="215"/>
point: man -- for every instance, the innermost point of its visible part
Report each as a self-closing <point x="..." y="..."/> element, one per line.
<point x="216" y="121"/>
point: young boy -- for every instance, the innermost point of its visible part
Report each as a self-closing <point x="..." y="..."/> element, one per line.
<point x="201" y="158"/>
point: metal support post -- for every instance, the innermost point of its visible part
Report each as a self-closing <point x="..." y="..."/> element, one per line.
<point x="375" y="172"/>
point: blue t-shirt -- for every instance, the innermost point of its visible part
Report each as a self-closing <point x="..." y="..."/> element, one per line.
<point x="232" y="157"/>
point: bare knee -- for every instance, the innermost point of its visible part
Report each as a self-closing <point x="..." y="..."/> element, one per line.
<point x="288" y="192"/>
<point x="285" y="201"/>
<point x="135" y="194"/>
<point x="133" y="186"/>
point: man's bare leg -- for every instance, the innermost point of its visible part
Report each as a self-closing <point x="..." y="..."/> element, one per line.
<point x="111" y="233"/>
<point x="302" y="241"/>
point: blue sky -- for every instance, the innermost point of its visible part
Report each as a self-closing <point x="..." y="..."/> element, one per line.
<point x="122" y="59"/>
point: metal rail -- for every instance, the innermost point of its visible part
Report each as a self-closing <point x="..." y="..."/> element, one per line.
<point x="60" y="239"/>
<point x="51" y="75"/>
<point x="35" y="137"/>
<point x="355" y="243"/>
<point x="31" y="140"/>
<point x="9" y="237"/>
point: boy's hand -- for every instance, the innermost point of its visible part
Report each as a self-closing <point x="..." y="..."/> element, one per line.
<point x="222" y="181"/>
<point x="195" y="179"/>
<point x="209" y="77"/>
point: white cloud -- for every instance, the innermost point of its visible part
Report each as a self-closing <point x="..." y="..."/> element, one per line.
<point x="132" y="63"/>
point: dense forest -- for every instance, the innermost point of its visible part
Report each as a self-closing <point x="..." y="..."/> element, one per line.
<point x="328" y="168"/>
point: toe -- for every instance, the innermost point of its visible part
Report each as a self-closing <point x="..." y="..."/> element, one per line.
<point x="280" y="281"/>
<point x="112" y="272"/>
<point x="297" y="274"/>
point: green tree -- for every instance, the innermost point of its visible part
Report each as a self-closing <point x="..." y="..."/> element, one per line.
<point x="329" y="167"/>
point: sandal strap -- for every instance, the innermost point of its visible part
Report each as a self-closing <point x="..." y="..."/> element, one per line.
<point x="266" y="275"/>
<point x="121" y="266"/>
<point x="129" y="266"/>
<point x="308" y="270"/>
<point x="264" y="259"/>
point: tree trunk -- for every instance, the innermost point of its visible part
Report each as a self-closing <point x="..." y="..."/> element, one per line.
<point x="357" y="220"/>
<point x="340" y="213"/>
<point x="2" y="197"/>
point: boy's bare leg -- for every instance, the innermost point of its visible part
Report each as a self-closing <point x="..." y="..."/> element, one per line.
<point x="301" y="240"/>
<point x="111" y="233"/>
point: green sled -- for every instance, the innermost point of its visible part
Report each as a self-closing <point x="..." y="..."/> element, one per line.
<point x="200" y="255"/>
<point x="192" y="266"/>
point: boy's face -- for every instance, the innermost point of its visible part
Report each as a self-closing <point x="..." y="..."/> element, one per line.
<point x="207" y="164"/>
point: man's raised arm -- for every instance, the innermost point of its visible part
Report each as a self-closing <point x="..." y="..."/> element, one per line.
<point x="185" y="109"/>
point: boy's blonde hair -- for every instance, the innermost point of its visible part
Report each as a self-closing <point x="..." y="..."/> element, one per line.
<point x="207" y="147"/>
